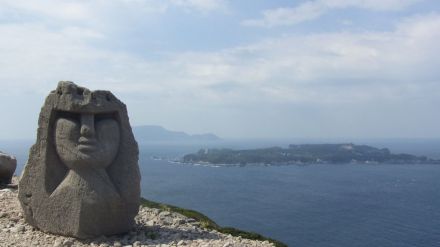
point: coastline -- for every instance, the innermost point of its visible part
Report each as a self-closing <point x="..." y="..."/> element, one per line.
<point x="210" y="224"/>
<point x="156" y="225"/>
<point x="303" y="154"/>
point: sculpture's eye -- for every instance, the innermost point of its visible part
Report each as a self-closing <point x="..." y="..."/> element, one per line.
<point x="72" y="116"/>
<point x="104" y="116"/>
<point x="107" y="129"/>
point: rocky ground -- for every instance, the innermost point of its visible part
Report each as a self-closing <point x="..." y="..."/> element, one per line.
<point x="153" y="228"/>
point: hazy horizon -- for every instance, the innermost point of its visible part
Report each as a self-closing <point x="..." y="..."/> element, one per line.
<point x="317" y="69"/>
<point x="273" y="139"/>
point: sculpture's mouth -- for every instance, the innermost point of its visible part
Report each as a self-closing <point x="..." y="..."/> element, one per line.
<point x="87" y="145"/>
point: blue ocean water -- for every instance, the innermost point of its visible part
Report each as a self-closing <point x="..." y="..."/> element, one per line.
<point x="314" y="205"/>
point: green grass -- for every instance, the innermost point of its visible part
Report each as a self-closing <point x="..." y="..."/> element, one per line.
<point x="208" y="223"/>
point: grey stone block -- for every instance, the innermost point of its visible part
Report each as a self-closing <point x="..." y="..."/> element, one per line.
<point x="8" y="164"/>
<point x="82" y="177"/>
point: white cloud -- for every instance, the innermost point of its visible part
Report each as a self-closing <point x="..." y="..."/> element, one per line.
<point x="85" y="11"/>
<point x="336" y="70"/>
<point x="64" y="10"/>
<point x="377" y="5"/>
<point x="288" y="16"/>
<point x="201" y="5"/>
<point x="325" y="67"/>
<point x="311" y="10"/>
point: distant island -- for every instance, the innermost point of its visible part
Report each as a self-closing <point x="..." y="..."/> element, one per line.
<point x="306" y="154"/>
<point x="154" y="133"/>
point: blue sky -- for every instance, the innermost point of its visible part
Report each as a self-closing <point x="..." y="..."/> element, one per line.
<point x="239" y="69"/>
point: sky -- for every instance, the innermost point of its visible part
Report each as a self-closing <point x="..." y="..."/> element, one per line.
<point x="238" y="69"/>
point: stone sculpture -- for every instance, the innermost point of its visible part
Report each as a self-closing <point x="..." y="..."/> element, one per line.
<point x="82" y="178"/>
<point x="8" y="164"/>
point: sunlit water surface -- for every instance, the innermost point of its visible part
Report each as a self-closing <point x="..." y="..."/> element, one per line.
<point x="314" y="205"/>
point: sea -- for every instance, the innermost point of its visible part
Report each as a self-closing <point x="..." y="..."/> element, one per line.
<point x="313" y="205"/>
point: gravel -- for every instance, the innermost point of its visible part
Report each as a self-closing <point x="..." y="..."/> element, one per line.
<point x="153" y="227"/>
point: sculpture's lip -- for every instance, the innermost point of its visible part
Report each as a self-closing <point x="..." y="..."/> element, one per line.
<point x="86" y="144"/>
<point x="86" y="141"/>
<point x="86" y="147"/>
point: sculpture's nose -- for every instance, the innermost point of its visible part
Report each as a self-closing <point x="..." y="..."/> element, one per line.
<point x="88" y="125"/>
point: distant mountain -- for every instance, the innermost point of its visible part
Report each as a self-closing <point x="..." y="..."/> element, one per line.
<point x="154" y="133"/>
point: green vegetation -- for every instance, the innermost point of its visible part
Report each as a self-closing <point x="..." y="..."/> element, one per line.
<point x="151" y="235"/>
<point x="306" y="154"/>
<point x="208" y="223"/>
<point x="204" y="221"/>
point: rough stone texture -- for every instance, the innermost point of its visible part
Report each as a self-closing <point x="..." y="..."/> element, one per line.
<point x="8" y="164"/>
<point x="153" y="227"/>
<point x="82" y="177"/>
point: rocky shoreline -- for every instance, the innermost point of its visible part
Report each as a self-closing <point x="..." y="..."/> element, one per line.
<point x="154" y="227"/>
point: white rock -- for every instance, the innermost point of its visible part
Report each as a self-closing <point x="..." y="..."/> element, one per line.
<point x="67" y="243"/>
<point x="57" y="243"/>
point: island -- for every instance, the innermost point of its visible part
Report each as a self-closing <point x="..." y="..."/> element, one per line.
<point x="306" y="154"/>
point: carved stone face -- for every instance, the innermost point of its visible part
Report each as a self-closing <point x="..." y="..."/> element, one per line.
<point x="86" y="140"/>
<point x="82" y="177"/>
